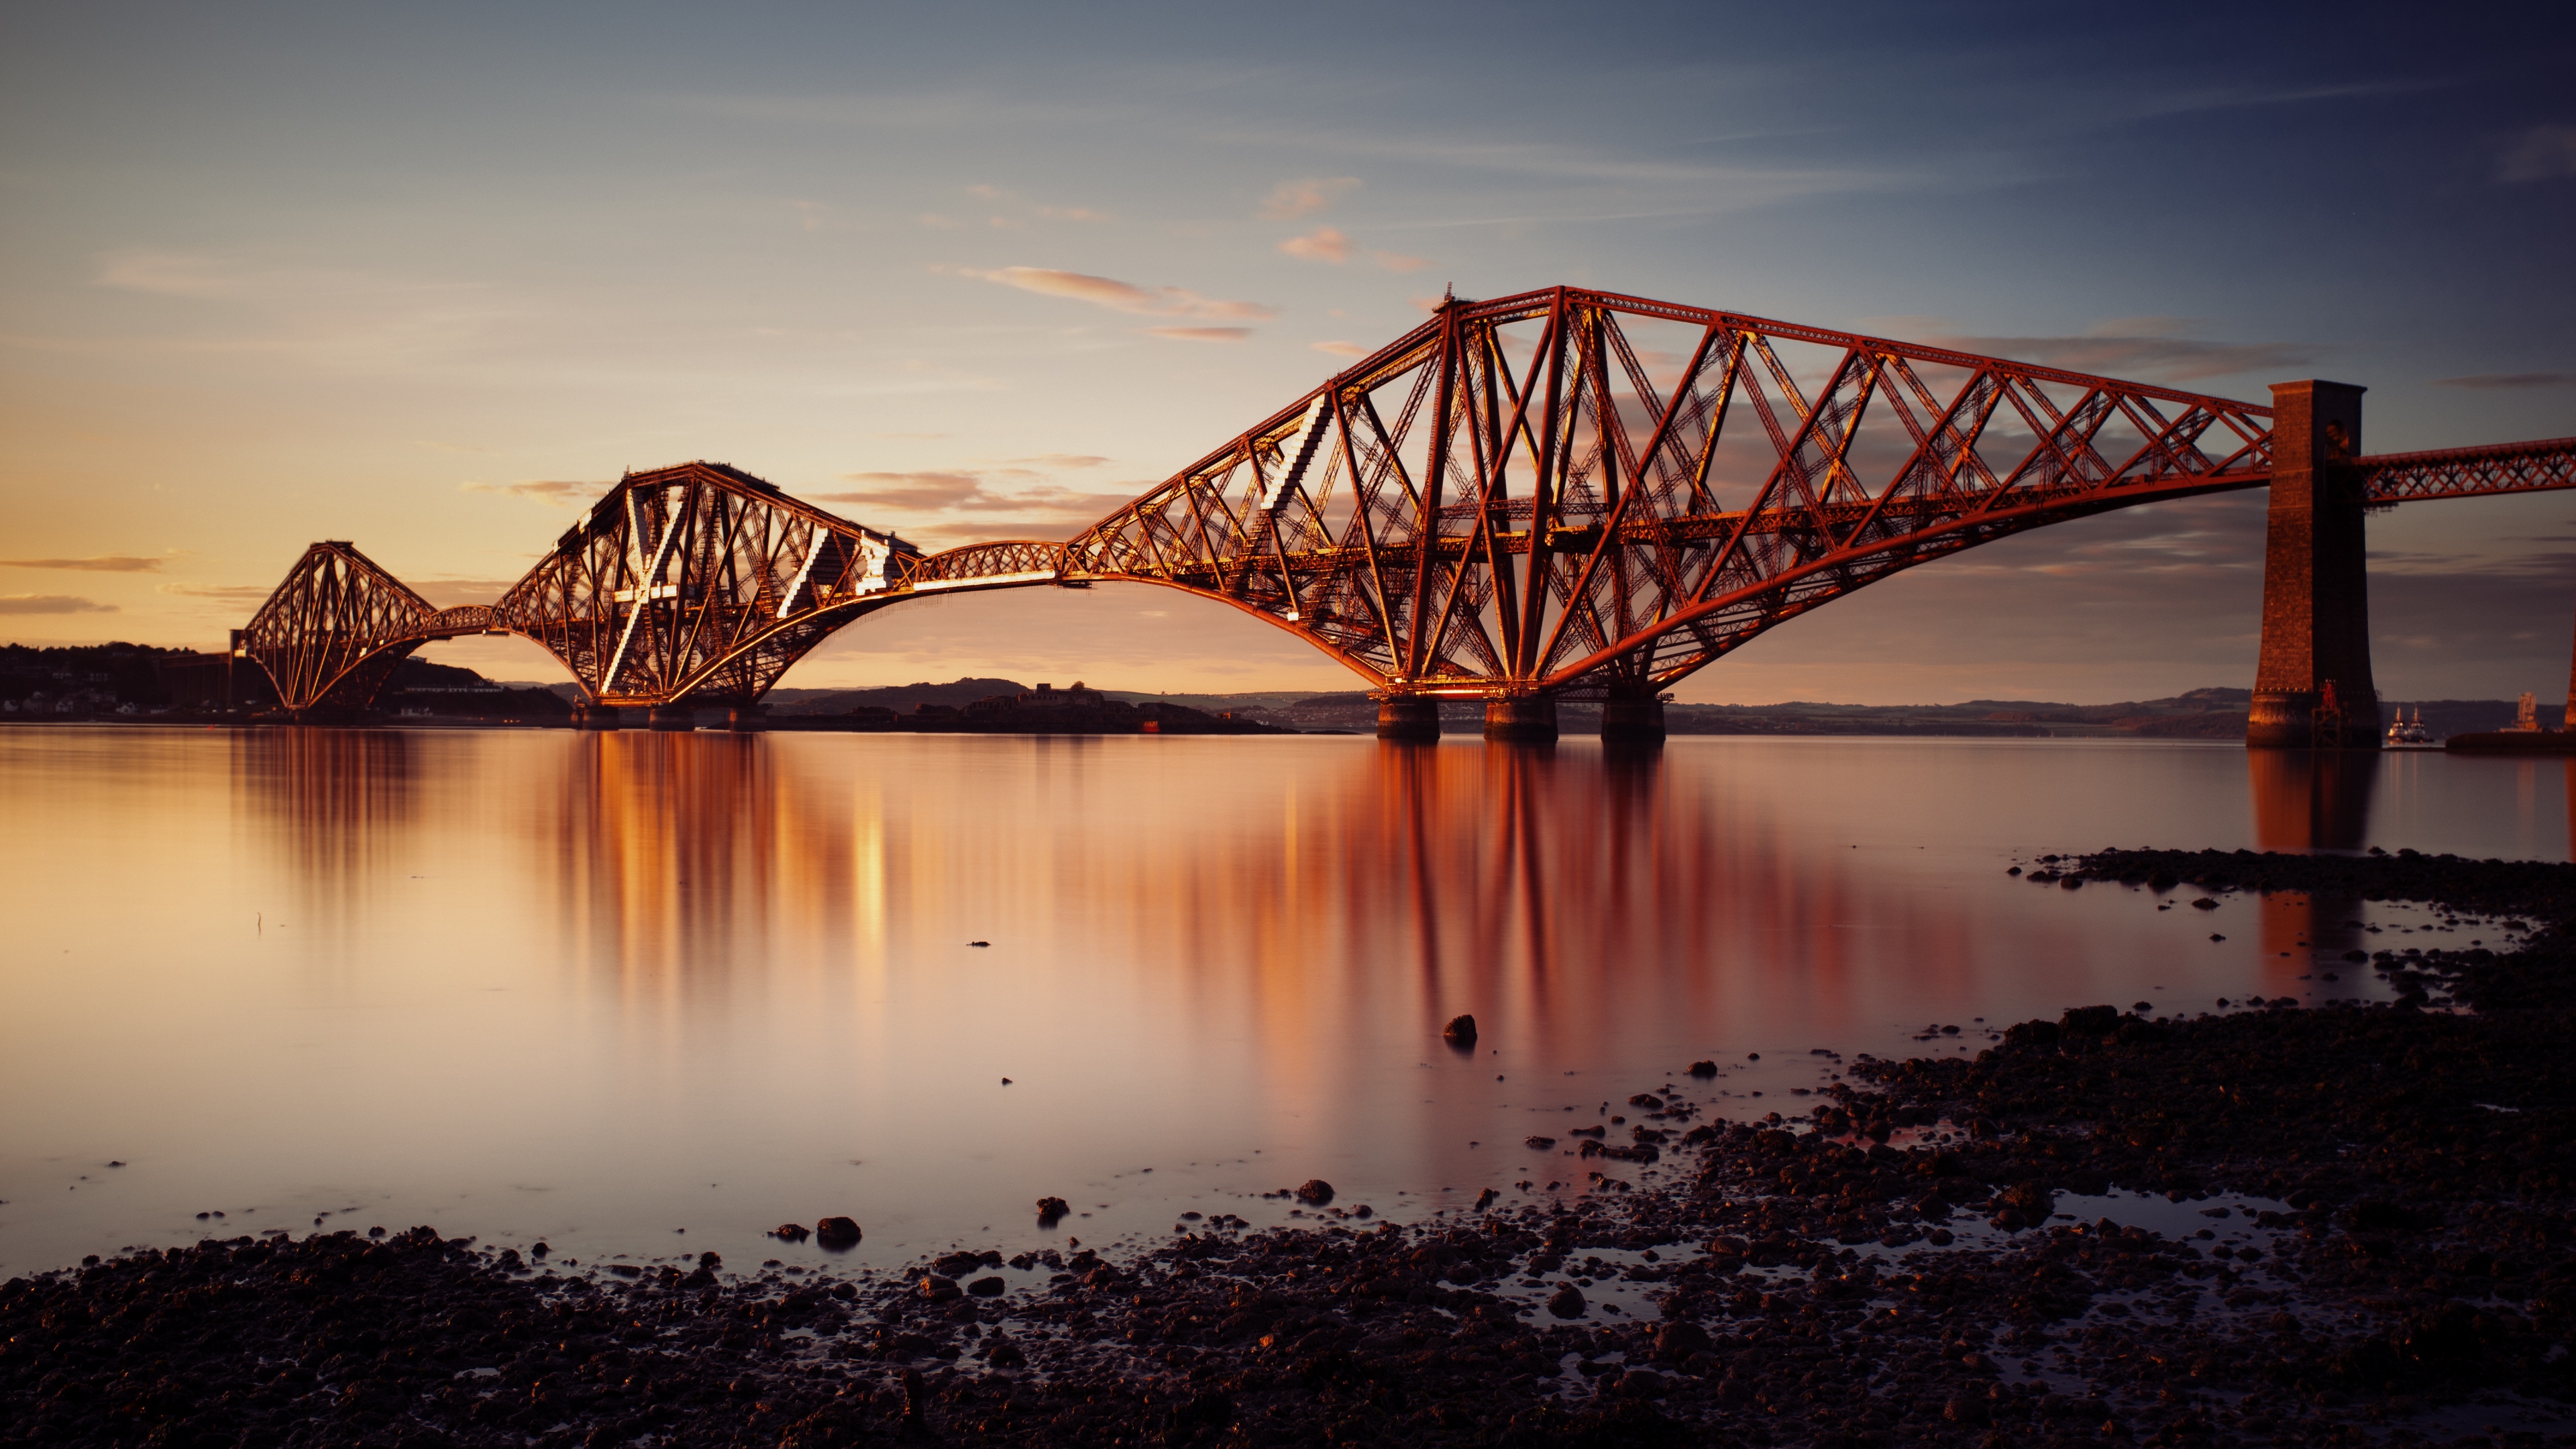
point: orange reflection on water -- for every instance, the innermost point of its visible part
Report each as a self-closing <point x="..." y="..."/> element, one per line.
<point x="621" y="983"/>
<point x="2309" y="800"/>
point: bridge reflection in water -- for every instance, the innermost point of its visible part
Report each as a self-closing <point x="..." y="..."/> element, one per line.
<point x="549" y="982"/>
<point x="1303" y="897"/>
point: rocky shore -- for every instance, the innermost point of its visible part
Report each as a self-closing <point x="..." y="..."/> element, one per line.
<point x="2347" y="1225"/>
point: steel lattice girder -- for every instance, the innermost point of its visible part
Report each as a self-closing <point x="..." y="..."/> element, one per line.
<point x="1516" y="497"/>
<point x="699" y="581"/>
<point x="1510" y="499"/>
<point x="2469" y="472"/>
<point x="335" y="628"/>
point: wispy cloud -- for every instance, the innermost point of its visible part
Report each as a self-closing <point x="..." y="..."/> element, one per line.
<point x="51" y="604"/>
<point x="962" y="505"/>
<point x="108" y="563"/>
<point x="2149" y="349"/>
<point x="1059" y="460"/>
<point x="1329" y="244"/>
<point x="544" y="490"/>
<point x="1290" y="200"/>
<point x="243" y="595"/>
<point x="448" y="593"/>
<point x="167" y="274"/>
<point x="2484" y="380"/>
<point x="1072" y="213"/>
<point x="923" y="491"/>
<point x="2542" y="152"/>
<point x="1198" y="334"/>
<point x="1323" y="244"/>
<point x="1120" y="296"/>
<point x="1341" y="349"/>
<point x="2236" y="98"/>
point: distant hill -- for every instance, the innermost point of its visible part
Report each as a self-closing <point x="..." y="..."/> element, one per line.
<point x="2213" y="713"/>
<point x="901" y="698"/>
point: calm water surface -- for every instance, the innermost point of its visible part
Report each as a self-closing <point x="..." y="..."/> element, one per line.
<point x="602" y="988"/>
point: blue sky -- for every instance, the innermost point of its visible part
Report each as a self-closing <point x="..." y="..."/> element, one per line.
<point x="428" y="278"/>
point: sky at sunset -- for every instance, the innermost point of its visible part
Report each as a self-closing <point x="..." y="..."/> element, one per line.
<point x="427" y="278"/>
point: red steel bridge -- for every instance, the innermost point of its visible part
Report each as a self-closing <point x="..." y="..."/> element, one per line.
<point x="1562" y="494"/>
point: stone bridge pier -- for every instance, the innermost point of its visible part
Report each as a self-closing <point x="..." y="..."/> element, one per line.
<point x="2312" y="689"/>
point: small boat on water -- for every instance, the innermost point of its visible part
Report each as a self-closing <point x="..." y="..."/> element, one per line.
<point x="2404" y="731"/>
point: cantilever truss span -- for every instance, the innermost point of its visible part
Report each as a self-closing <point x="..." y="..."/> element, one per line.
<point x="1563" y="492"/>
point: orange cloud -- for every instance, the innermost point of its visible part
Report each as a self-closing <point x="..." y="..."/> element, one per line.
<point x="242" y="595"/>
<point x="953" y="506"/>
<point x="1199" y="334"/>
<point x="1399" y="262"/>
<point x="1323" y="244"/>
<point x="1120" y="296"/>
<point x="52" y="604"/>
<point x="544" y="490"/>
<point x="1061" y="460"/>
<point x="169" y="274"/>
<point x="1340" y="349"/>
<point x="1292" y="199"/>
<point x="111" y="563"/>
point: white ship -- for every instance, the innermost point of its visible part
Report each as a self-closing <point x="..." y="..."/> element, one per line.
<point x="2409" y="732"/>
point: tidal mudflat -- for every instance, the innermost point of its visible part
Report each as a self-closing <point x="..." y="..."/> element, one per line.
<point x="2261" y="1223"/>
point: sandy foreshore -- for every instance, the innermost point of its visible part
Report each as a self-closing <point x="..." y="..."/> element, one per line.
<point x="2352" y="1224"/>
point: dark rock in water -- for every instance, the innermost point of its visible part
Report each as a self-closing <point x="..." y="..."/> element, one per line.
<point x="1052" y="1210"/>
<point x="1647" y="1100"/>
<point x="935" y="1289"/>
<point x="2033" y="1199"/>
<point x="2032" y="1033"/>
<point x="1566" y="1302"/>
<point x="1485" y="1199"/>
<point x="1932" y="1208"/>
<point x="957" y="1264"/>
<point x="1676" y="1342"/>
<point x="791" y="1232"/>
<point x="1007" y="1355"/>
<point x="1461" y="1029"/>
<point x="1540" y="1144"/>
<point x="2204" y="904"/>
<point x="837" y="1233"/>
<point x="539" y="1251"/>
<point x="1316" y="1191"/>
<point x="987" y="1287"/>
<point x="709" y="1260"/>
<point x="2090" y="1021"/>
<point x="1703" y="1069"/>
